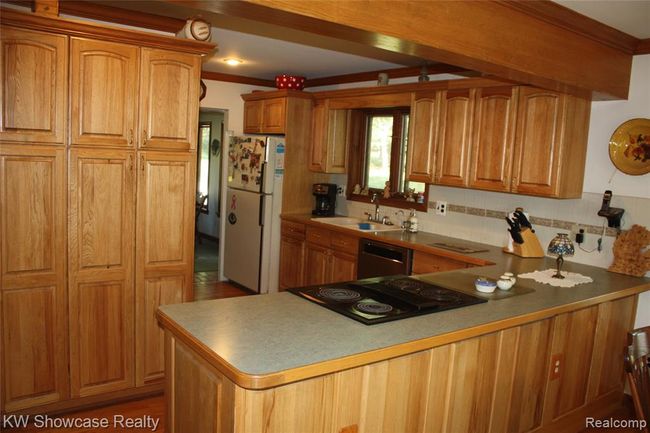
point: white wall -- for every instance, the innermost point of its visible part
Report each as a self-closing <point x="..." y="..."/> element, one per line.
<point x="630" y="192"/>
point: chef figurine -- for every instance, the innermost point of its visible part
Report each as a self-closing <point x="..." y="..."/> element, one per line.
<point x="409" y="195"/>
<point x="357" y="189"/>
<point x="387" y="189"/>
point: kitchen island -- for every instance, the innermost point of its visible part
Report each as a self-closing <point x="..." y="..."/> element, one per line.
<point x="541" y="360"/>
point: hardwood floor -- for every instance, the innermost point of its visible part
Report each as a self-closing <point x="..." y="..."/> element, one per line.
<point x="207" y="286"/>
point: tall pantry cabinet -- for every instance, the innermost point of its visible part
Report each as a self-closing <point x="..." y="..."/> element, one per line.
<point x="97" y="169"/>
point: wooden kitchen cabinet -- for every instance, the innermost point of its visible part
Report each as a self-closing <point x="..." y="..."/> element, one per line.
<point x="454" y="137"/>
<point x="343" y="267"/>
<point x="33" y="292"/>
<point x="550" y="144"/>
<point x="33" y="86"/>
<point x="317" y="264"/>
<point x="329" y="139"/>
<point x="164" y="249"/>
<point x="292" y="255"/>
<point x="101" y="290"/>
<point x="424" y="263"/>
<point x="169" y="96"/>
<point x="265" y="116"/>
<point x="104" y="92"/>
<point x="493" y="138"/>
<point x="423" y="132"/>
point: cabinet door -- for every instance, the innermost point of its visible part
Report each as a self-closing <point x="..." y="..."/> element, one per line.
<point x="337" y="141"/>
<point x="494" y="132"/>
<point x="104" y="89"/>
<point x="169" y="105"/>
<point x="456" y="111"/>
<point x="164" y="248"/>
<point x="538" y="141"/>
<point x="33" y="86"/>
<point x="317" y="264"/>
<point x="422" y="138"/>
<point x="274" y="115"/>
<point x="318" y="148"/>
<point x="33" y="301"/>
<point x="292" y="252"/>
<point x="253" y="117"/>
<point x="101" y="233"/>
<point x="343" y="267"/>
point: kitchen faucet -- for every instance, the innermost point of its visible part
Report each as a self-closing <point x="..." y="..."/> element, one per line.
<point x="375" y="218"/>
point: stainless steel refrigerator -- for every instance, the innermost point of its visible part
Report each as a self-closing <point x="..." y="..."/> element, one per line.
<point x="253" y="204"/>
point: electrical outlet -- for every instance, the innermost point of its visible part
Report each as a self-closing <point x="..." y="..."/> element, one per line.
<point x="441" y="208"/>
<point x="340" y="191"/>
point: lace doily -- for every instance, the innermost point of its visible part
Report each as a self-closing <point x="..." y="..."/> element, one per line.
<point x="546" y="277"/>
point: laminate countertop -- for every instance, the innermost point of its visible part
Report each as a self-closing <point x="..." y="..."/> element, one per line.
<point x="269" y="340"/>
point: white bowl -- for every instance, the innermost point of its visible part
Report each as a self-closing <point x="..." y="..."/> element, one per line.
<point x="485" y="286"/>
<point x="505" y="283"/>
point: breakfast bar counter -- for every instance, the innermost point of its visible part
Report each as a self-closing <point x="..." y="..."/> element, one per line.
<point x="543" y="358"/>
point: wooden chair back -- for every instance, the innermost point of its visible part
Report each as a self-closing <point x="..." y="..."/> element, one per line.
<point x="637" y="368"/>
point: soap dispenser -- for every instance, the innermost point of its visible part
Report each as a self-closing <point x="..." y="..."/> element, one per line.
<point x="413" y="222"/>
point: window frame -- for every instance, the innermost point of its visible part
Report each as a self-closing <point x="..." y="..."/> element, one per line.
<point x="359" y="154"/>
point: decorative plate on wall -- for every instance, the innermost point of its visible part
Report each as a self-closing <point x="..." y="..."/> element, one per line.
<point x="629" y="147"/>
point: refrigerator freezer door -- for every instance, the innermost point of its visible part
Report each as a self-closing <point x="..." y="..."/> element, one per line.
<point x="247" y="164"/>
<point x="243" y="240"/>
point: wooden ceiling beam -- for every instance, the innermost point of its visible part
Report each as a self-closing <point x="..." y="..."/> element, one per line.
<point x="490" y="37"/>
<point x="111" y="14"/>
<point x="643" y="47"/>
<point x="434" y="69"/>
<point x="232" y="78"/>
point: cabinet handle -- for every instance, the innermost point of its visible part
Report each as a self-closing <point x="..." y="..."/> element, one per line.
<point x="144" y="136"/>
<point x="131" y="163"/>
<point x="142" y="162"/>
<point x="130" y="136"/>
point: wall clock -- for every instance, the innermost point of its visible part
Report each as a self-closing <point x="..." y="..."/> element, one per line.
<point x="629" y="147"/>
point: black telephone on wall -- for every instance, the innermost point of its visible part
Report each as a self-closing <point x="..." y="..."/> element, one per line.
<point x="613" y="214"/>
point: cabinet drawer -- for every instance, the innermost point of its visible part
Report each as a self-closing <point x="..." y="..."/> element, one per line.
<point x="344" y="243"/>
<point x="427" y="263"/>
<point x="294" y="230"/>
<point x="318" y="236"/>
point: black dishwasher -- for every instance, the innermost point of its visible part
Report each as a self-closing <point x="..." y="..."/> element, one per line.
<point x="377" y="259"/>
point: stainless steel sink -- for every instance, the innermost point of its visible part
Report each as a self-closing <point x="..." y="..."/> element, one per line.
<point x="357" y="224"/>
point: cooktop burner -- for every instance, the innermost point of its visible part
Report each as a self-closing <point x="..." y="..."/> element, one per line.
<point x="383" y="299"/>
<point x="338" y="294"/>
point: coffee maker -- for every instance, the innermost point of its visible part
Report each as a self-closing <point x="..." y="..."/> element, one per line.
<point x="325" y="194"/>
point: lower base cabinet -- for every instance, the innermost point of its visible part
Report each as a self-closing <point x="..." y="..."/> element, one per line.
<point x="448" y="388"/>
<point x="424" y="263"/>
<point x="310" y="256"/>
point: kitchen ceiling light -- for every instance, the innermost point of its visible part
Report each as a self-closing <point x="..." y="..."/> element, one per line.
<point x="233" y="62"/>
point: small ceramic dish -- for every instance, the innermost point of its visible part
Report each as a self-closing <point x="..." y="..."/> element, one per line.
<point x="484" y="285"/>
<point x="505" y="282"/>
<point x="511" y="276"/>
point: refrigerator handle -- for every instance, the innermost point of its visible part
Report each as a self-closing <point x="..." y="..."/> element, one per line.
<point x="262" y="178"/>
<point x="261" y="217"/>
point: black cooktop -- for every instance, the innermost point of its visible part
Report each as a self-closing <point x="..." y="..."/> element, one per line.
<point x="377" y="300"/>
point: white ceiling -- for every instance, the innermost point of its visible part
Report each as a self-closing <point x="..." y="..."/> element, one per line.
<point x="265" y="58"/>
<point x="629" y="16"/>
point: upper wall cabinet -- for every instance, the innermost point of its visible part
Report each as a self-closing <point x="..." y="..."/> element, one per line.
<point x="329" y="139"/>
<point x="104" y="92"/>
<point x="169" y="97"/>
<point x="265" y="116"/>
<point x="33" y="86"/>
<point x="422" y="137"/>
<point x="456" y="116"/>
<point x="493" y="138"/>
<point x="550" y="144"/>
